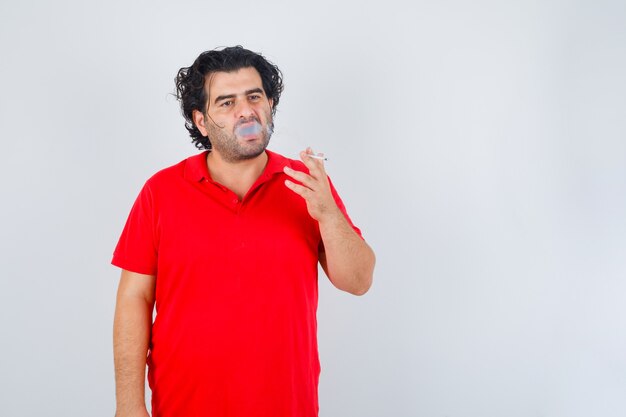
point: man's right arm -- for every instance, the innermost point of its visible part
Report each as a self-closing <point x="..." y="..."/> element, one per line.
<point x="131" y="338"/>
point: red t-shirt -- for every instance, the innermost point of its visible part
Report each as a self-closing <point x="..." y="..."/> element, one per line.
<point x="235" y="332"/>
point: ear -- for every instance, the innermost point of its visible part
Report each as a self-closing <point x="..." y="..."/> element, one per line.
<point x="198" y="120"/>
<point x="271" y="103"/>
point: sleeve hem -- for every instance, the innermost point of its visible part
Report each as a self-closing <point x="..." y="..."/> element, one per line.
<point x="122" y="263"/>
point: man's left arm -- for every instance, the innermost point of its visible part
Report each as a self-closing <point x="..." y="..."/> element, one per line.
<point x="346" y="258"/>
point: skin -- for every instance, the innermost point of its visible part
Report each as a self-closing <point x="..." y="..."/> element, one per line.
<point x="347" y="260"/>
<point x="131" y="336"/>
<point x="236" y="99"/>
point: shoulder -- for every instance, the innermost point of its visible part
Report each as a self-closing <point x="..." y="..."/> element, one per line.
<point x="189" y="168"/>
<point x="278" y="161"/>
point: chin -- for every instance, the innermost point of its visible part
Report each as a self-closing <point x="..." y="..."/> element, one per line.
<point x="251" y="153"/>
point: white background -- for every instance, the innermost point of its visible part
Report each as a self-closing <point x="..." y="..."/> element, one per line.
<point x="480" y="146"/>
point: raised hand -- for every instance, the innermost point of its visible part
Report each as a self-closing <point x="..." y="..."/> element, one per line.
<point x="314" y="187"/>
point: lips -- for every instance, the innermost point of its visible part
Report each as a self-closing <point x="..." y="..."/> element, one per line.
<point x="248" y="129"/>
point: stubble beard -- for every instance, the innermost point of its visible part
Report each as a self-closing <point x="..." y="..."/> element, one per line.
<point x="228" y="145"/>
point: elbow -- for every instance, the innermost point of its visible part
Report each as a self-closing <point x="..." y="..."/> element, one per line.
<point x="362" y="283"/>
<point x="366" y="277"/>
<point x="357" y="284"/>
<point x="360" y="291"/>
<point x="363" y="288"/>
<point x="356" y="280"/>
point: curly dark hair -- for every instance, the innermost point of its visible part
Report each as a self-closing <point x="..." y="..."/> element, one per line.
<point x="190" y="82"/>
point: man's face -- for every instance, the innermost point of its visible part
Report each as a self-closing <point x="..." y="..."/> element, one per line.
<point x="238" y="118"/>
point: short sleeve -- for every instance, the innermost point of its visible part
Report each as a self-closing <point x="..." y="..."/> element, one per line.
<point x="136" y="250"/>
<point x="342" y="207"/>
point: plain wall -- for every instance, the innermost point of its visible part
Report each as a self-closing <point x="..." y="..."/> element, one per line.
<point x="480" y="146"/>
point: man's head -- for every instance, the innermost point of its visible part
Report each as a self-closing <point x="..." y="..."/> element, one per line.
<point x="194" y="90"/>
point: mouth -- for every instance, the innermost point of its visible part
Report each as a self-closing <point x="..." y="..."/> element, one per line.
<point x="249" y="130"/>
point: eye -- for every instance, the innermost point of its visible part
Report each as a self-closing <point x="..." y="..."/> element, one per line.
<point x="227" y="103"/>
<point x="255" y="97"/>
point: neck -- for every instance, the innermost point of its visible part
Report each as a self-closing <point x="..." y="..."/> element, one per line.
<point x="238" y="176"/>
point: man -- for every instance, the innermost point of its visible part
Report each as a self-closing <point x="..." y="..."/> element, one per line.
<point x="227" y="244"/>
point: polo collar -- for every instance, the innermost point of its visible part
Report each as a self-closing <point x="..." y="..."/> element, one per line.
<point x="197" y="170"/>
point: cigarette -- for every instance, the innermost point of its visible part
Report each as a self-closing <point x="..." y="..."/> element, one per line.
<point x="321" y="158"/>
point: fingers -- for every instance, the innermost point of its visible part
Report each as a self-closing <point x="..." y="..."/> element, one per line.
<point x="301" y="177"/>
<point x="313" y="186"/>
<point x="298" y="189"/>
<point x="315" y="166"/>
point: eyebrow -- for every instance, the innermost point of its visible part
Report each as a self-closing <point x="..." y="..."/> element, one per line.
<point x="247" y="92"/>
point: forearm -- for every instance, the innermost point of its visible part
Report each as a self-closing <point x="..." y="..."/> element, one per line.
<point x="131" y="335"/>
<point x="347" y="259"/>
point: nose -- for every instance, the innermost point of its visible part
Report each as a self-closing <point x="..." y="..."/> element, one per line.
<point x="244" y="109"/>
